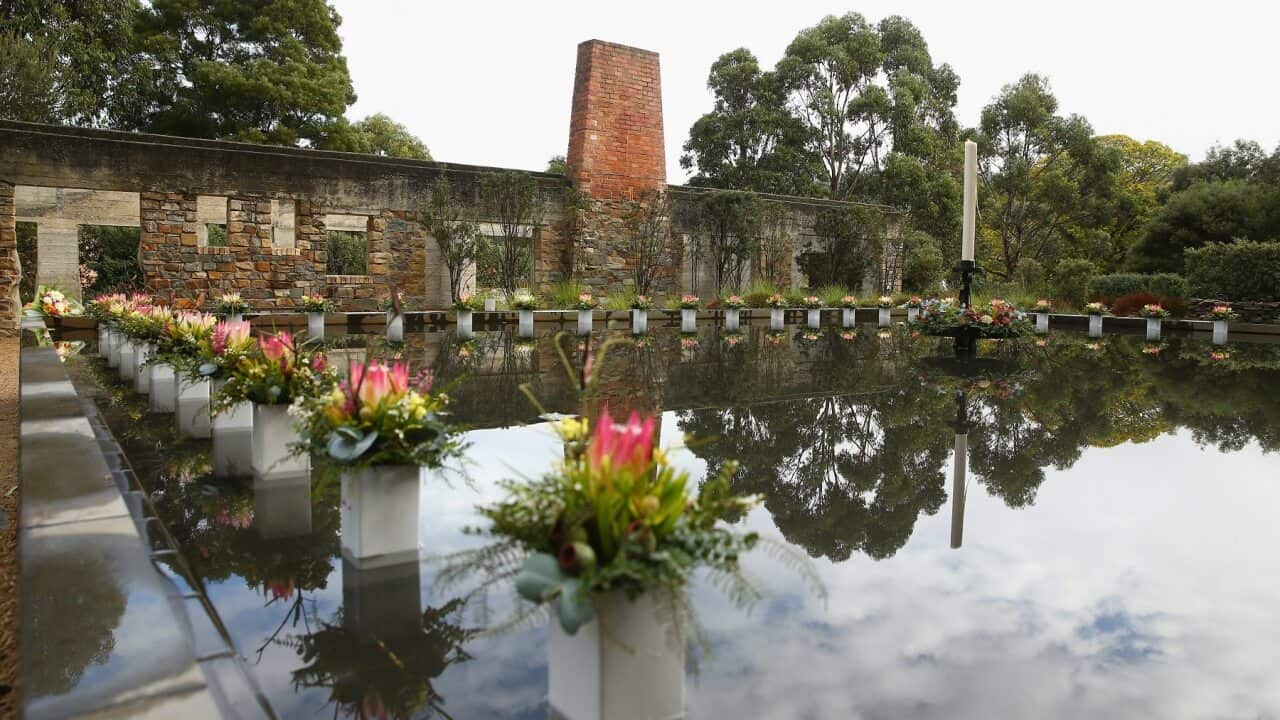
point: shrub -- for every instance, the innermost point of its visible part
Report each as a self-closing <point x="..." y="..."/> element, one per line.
<point x="832" y="295"/>
<point x="924" y="267"/>
<point x="1235" y="271"/>
<point x="1167" y="285"/>
<point x="619" y="300"/>
<point x="1117" y="284"/>
<point x="564" y="294"/>
<point x="1129" y="305"/>
<point x="758" y="293"/>
<point x="1031" y="273"/>
<point x="794" y="297"/>
<point x="1071" y="279"/>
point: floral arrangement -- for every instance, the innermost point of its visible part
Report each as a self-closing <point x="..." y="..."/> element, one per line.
<point x="1095" y="308"/>
<point x="524" y="300"/>
<point x="380" y="415"/>
<point x="231" y="304"/>
<point x="995" y="319"/>
<point x="812" y="302"/>
<point x="53" y="303"/>
<point x="616" y="516"/>
<point x="393" y="301"/>
<point x="585" y="301"/>
<point x="100" y="306"/>
<point x="913" y="302"/>
<point x="183" y="338"/>
<point x="276" y="372"/>
<point x="641" y="302"/>
<point x="1223" y="311"/>
<point x="146" y="323"/>
<point x="467" y="302"/>
<point x="776" y="301"/>
<point x="1153" y="311"/>
<point x="733" y="302"/>
<point x="688" y="302"/>
<point x="884" y="302"/>
<point x="1043" y="306"/>
<point x="849" y="302"/>
<point x="316" y="304"/>
<point x="222" y="350"/>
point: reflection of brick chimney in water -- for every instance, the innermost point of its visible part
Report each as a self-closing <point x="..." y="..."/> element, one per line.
<point x="615" y="132"/>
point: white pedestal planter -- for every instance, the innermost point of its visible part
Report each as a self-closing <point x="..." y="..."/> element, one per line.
<point x="777" y="318"/>
<point x="103" y="350"/>
<point x="315" y="325"/>
<point x="395" y="327"/>
<point x="232" y="432"/>
<point x="526" y="323"/>
<point x="913" y="314"/>
<point x="1042" y="323"/>
<point x="124" y="368"/>
<point x="164" y="387"/>
<point x="464" y="325"/>
<point x="1095" y="326"/>
<point x="273" y="433"/>
<point x="688" y="320"/>
<point x="114" y="344"/>
<point x="584" y="322"/>
<point x="490" y="304"/>
<point x="639" y="321"/>
<point x="813" y="318"/>
<point x="732" y="319"/>
<point x="380" y="514"/>
<point x="141" y="373"/>
<point x="1153" y="329"/>
<point x="620" y="666"/>
<point x="282" y="505"/>
<point x="192" y="407"/>
<point x="1219" y="332"/>
<point x="884" y="317"/>
<point x="848" y="317"/>
<point x="235" y="317"/>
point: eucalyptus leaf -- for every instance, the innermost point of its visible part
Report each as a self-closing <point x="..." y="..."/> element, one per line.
<point x="345" y="448"/>
<point x="208" y="370"/>
<point x="576" y="608"/>
<point x="539" y="579"/>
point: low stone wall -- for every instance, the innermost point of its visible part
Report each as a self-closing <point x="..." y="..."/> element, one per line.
<point x="1250" y="311"/>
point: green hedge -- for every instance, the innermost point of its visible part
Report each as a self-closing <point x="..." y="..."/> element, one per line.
<point x="1121" y="284"/>
<point x="1235" y="271"/>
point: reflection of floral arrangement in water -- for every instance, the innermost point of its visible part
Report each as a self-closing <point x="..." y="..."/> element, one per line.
<point x="1152" y="349"/>
<point x="67" y="348"/>
<point x="465" y="349"/>
<point x="1153" y="311"/>
<point x="1093" y="346"/>
<point x="1041" y="342"/>
<point x="810" y="336"/>
<point x="276" y="372"/>
<point x="1095" y="308"/>
<point x="733" y="339"/>
<point x="688" y="342"/>
<point x="1219" y="355"/>
<point x="231" y="303"/>
<point x="884" y="334"/>
<point x="775" y="337"/>
<point x="53" y="303"/>
<point x="316" y="303"/>
<point x="1223" y="311"/>
<point x="380" y="415"/>
<point x="733" y="302"/>
<point x="689" y="302"/>
<point x="848" y="335"/>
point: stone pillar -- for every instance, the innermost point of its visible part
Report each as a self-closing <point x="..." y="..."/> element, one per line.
<point x="10" y="268"/>
<point x="58" y="255"/>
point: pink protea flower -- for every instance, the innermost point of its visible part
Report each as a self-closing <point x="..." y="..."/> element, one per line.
<point x="627" y="446"/>
<point x="277" y="348"/>
<point x="230" y="334"/>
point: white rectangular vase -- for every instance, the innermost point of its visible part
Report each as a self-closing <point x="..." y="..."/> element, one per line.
<point x="380" y="514"/>
<point x="584" y="322"/>
<point x="490" y="304"/>
<point x="395" y="327"/>
<point x="235" y="317"/>
<point x="777" y="318"/>
<point x="1219" y="332"/>
<point x="688" y="320"/>
<point x="1042" y="323"/>
<point x="315" y="326"/>
<point x="732" y="319"/>
<point x="124" y="368"/>
<point x="464" y="325"/>
<point x="624" y="665"/>
<point x="1153" y="329"/>
<point x="164" y="387"/>
<point x="273" y="434"/>
<point x="884" y="317"/>
<point x="912" y="314"/>
<point x="192" y="407"/>
<point x="103" y="348"/>
<point x="813" y="318"/>
<point x="1095" y="326"/>
<point x="526" y="323"/>
<point x="639" y="321"/>
<point x="141" y="372"/>
<point x="848" y="317"/>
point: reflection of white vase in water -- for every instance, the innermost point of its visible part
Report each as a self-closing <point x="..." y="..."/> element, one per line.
<point x="913" y="313"/>
<point x="584" y="322"/>
<point x="380" y="514"/>
<point x="192" y="407"/>
<point x="731" y="319"/>
<point x="164" y="387"/>
<point x="688" y="320"/>
<point x="777" y="318"/>
<point x="848" y="317"/>
<point x="1153" y="329"/>
<point x="1042" y="323"/>
<point x="1095" y="326"/>
<point x="464" y="324"/>
<point x="1219" y="332"/>
<point x="141" y="371"/>
<point x="624" y="665"/>
<point x="395" y="327"/>
<point x="526" y="323"/>
<point x="273" y="434"/>
<point x="813" y="318"/>
<point x="884" y="317"/>
<point x="315" y="325"/>
<point x="639" y="321"/>
<point x="282" y="505"/>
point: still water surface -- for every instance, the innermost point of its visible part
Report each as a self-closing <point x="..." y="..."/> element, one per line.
<point x="1110" y="552"/>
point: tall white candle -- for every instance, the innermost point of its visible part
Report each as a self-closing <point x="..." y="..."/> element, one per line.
<point x="970" y="198"/>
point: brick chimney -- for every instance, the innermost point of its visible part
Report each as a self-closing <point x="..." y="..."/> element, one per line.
<point x="616" y="148"/>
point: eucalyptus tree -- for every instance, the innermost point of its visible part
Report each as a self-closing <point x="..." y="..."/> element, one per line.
<point x="450" y="223"/>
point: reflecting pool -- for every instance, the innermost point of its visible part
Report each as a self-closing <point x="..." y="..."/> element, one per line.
<point x="1104" y="550"/>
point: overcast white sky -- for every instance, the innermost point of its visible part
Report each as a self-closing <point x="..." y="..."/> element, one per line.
<point x="489" y="83"/>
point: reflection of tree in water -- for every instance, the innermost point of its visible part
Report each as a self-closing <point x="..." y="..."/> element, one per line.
<point x="71" y="630"/>
<point x="383" y="677"/>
